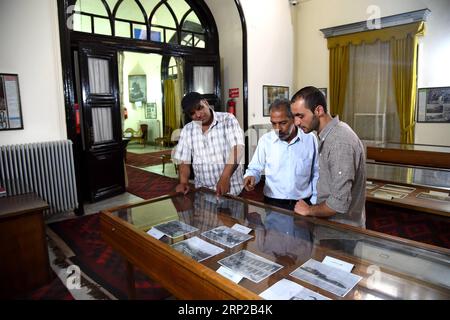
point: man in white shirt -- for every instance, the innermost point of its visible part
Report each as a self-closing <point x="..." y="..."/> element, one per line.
<point x="214" y="143"/>
<point x="289" y="159"/>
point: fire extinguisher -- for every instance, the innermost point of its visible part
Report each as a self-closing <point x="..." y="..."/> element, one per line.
<point x="231" y="106"/>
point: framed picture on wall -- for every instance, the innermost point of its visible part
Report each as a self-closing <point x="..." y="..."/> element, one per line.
<point x="270" y="94"/>
<point x="10" y="107"/>
<point x="433" y="105"/>
<point x="137" y="88"/>
<point x="150" y="111"/>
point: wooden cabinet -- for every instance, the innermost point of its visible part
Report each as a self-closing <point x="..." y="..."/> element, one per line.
<point x="24" y="262"/>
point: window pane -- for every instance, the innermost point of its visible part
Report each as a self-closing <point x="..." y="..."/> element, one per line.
<point x="81" y="23"/>
<point x="163" y="17"/>
<point x="157" y="34"/>
<point x="102" y="26"/>
<point x="192" y="23"/>
<point x="91" y="6"/>
<point x="111" y="4"/>
<point x="122" y="29"/>
<point x="204" y="80"/>
<point x="149" y="5"/>
<point x="130" y="10"/>
<point x="139" y="32"/>
<point x="187" y="39"/>
<point x="180" y="7"/>
<point x="98" y="76"/>
<point x="102" y="124"/>
<point x="199" y="43"/>
<point x="171" y="36"/>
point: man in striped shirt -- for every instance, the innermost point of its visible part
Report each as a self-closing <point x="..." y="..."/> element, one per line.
<point x="213" y="142"/>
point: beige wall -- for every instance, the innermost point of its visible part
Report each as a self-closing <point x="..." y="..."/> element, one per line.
<point x="270" y="36"/>
<point x="311" y="51"/>
<point x="229" y="27"/>
<point x="31" y="50"/>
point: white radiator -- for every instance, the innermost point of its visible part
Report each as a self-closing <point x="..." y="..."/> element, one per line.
<point x="46" y="168"/>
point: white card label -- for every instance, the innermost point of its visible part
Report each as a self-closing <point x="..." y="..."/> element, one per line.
<point x="155" y="233"/>
<point x="338" y="264"/>
<point x="229" y="274"/>
<point x="241" y="228"/>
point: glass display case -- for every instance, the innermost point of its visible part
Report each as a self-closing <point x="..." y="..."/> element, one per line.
<point x="279" y="248"/>
<point x="410" y="154"/>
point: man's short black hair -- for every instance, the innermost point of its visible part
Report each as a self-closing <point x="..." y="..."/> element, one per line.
<point x="191" y="100"/>
<point x="312" y="96"/>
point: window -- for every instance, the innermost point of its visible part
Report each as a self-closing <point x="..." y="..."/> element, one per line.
<point x="171" y="21"/>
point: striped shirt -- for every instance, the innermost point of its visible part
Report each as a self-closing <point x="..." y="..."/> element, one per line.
<point x="209" y="151"/>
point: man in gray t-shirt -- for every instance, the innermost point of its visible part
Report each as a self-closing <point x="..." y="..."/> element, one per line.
<point x="342" y="173"/>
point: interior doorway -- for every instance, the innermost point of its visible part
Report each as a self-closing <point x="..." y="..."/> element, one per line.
<point x="151" y="88"/>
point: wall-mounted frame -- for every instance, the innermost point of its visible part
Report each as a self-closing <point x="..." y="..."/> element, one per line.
<point x="10" y="106"/>
<point x="433" y="105"/>
<point x="270" y="94"/>
<point x="150" y="111"/>
<point x="324" y="92"/>
<point x="137" y="88"/>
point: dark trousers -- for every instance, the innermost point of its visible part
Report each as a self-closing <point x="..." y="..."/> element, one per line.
<point x="284" y="203"/>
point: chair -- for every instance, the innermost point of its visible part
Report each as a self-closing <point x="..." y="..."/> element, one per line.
<point x="166" y="139"/>
<point x="140" y="135"/>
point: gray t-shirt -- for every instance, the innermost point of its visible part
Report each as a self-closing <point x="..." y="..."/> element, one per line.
<point x="342" y="173"/>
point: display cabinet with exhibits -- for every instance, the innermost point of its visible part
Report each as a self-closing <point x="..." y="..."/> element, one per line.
<point x="410" y="154"/>
<point x="199" y="246"/>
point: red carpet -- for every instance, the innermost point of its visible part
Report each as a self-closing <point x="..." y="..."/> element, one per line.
<point x="146" y="159"/>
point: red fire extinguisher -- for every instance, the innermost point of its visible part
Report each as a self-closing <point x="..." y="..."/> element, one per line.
<point x="231" y="106"/>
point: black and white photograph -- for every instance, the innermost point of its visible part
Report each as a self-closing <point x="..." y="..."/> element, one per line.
<point x="226" y="236"/>
<point x="434" y="197"/>
<point x="289" y="290"/>
<point x="175" y="228"/>
<point x="326" y="277"/>
<point x="433" y="104"/>
<point x="388" y="194"/>
<point x="398" y="188"/>
<point x="250" y="265"/>
<point x="197" y="248"/>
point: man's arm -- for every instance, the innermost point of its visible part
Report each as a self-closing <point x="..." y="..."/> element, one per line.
<point x="320" y="210"/>
<point x="315" y="172"/>
<point x="185" y="172"/>
<point x="223" y="185"/>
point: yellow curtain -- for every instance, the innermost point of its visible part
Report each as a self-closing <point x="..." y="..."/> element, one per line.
<point x="404" y="71"/>
<point x="403" y="43"/>
<point x="339" y="63"/>
<point x="170" y="116"/>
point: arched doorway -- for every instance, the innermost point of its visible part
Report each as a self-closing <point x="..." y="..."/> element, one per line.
<point x="92" y="33"/>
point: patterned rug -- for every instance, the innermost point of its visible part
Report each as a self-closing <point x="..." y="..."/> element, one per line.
<point x="146" y="159"/>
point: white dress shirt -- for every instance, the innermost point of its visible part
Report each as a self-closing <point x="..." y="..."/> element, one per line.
<point x="291" y="169"/>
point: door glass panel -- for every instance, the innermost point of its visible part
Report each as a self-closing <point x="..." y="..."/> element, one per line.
<point x="99" y="76"/>
<point x="102" y="124"/>
<point x="204" y="79"/>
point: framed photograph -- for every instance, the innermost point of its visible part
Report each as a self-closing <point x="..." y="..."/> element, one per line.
<point x="137" y="88"/>
<point x="150" y="111"/>
<point x="10" y="107"/>
<point x="433" y="105"/>
<point x="324" y="92"/>
<point x="270" y="94"/>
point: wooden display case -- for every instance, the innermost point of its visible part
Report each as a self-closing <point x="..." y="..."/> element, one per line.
<point x="410" y="154"/>
<point x="422" y="180"/>
<point x="390" y="267"/>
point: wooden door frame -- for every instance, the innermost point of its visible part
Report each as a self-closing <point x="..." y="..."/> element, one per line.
<point x="70" y="39"/>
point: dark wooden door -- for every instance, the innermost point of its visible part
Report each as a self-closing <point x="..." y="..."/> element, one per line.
<point x="103" y="166"/>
